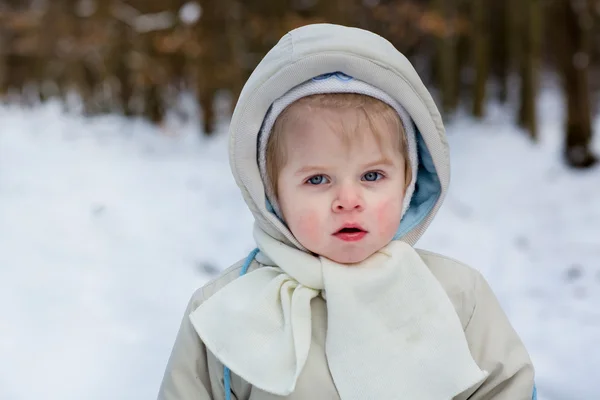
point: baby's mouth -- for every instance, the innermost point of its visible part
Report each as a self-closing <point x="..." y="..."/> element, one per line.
<point x="350" y="230"/>
<point x="350" y="233"/>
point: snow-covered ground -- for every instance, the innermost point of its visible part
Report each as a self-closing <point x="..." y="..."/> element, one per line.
<point x="107" y="226"/>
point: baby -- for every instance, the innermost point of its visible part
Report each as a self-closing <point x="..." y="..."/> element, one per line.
<point x="341" y="156"/>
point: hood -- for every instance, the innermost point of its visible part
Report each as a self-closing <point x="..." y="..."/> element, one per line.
<point x="318" y="49"/>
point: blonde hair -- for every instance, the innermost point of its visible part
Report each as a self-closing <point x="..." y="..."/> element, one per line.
<point x="375" y="111"/>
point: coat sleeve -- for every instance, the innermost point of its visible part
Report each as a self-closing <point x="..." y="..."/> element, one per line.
<point x="186" y="376"/>
<point x="497" y="349"/>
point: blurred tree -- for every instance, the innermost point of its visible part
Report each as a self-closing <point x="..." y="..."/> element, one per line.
<point x="218" y="61"/>
<point x="529" y="29"/>
<point x="514" y="38"/>
<point x="118" y="55"/>
<point x="19" y="42"/>
<point x="463" y="49"/>
<point x="70" y="53"/>
<point x="480" y="53"/>
<point x="573" y="24"/>
<point x="137" y="55"/>
<point x="446" y="57"/>
<point x="47" y="65"/>
<point x="343" y="12"/>
<point x="235" y="40"/>
<point x="500" y="46"/>
<point x="4" y="54"/>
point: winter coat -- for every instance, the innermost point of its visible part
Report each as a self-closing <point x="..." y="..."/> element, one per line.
<point x="193" y="372"/>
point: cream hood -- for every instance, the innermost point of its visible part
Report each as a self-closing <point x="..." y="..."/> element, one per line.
<point x="307" y="52"/>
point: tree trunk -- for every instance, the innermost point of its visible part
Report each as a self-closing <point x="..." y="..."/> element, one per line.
<point x="480" y="55"/>
<point x="48" y="65"/>
<point x="500" y="46"/>
<point x="237" y="45"/>
<point x="120" y="53"/>
<point x="529" y="60"/>
<point x="73" y="77"/>
<point x="514" y="23"/>
<point x="446" y="44"/>
<point x="209" y="30"/>
<point x="574" y="22"/>
<point x="4" y="45"/>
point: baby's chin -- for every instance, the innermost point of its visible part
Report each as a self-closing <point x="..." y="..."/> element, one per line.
<point x="348" y="257"/>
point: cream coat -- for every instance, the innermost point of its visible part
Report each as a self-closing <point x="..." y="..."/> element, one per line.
<point x="194" y="373"/>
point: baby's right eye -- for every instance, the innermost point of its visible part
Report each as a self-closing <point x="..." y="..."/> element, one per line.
<point x="317" y="180"/>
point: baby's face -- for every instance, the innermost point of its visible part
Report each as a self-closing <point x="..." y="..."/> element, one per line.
<point x="341" y="199"/>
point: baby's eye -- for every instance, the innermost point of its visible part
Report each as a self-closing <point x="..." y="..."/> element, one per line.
<point x="372" y="176"/>
<point x="317" y="180"/>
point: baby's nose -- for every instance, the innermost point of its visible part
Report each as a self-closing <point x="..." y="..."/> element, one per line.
<point x="348" y="198"/>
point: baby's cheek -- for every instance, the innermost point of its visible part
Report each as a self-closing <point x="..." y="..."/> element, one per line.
<point x="388" y="216"/>
<point x="306" y="226"/>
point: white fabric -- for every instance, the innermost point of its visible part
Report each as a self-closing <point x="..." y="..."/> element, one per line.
<point x="334" y="83"/>
<point x="392" y="330"/>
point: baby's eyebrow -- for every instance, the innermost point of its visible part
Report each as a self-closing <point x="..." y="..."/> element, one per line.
<point x="310" y="168"/>
<point x="381" y="161"/>
<point x="320" y="168"/>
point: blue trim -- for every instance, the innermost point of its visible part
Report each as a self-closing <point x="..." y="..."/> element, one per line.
<point x="534" y="395"/>
<point x="340" y="76"/>
<point x="227" y="382"/>
<point x="227" y="371"/>
<point x="428" y="190"/>
<point x="248" y="261"/>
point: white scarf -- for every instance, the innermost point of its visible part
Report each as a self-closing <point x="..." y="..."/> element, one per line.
<point x="392" y="330"/>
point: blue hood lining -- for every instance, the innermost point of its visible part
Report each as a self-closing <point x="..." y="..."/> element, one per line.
<point x="428" y="190"/>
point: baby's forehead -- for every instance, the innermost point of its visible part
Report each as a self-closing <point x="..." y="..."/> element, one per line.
<point x="322" y="144"/>
<point x="351" y="126"/>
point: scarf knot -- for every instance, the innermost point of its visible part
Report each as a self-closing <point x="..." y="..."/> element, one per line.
<point x="391" y="327"/>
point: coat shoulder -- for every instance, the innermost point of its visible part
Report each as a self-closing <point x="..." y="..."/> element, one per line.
<point x="459" y="280"/>
<point x="223" y="279"/>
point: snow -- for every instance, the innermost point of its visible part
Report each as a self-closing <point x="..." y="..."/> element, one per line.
<point x="108" y="225"/>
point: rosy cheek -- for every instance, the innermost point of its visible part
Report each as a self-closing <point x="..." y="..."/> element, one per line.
<point x="306" y="226"/>
<point x="388" y="216"/>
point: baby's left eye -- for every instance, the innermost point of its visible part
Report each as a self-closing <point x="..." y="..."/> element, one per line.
<point x="372" y="176"/>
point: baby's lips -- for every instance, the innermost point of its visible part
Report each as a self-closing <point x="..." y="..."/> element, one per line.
<point x="350" y="228"/>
